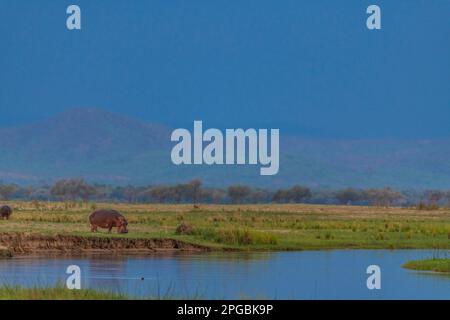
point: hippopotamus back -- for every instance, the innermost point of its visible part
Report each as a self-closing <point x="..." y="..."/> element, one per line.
<point x="5" y="212"/>
<point x="108" y="219"/>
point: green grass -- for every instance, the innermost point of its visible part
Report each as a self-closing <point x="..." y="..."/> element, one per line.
<point x="249" y="227"/>
<point x="56" y="293"/>
<point x="236" y="236"/>
<point x="60" y="292"/>
<point x="438" y="265"/>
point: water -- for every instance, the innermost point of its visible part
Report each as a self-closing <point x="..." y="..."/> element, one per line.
<point x="338" y="274"/>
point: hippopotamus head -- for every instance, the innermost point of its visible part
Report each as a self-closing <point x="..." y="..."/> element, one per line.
<point x="122" y="227"/>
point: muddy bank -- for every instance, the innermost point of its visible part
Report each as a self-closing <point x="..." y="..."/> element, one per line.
<point x="21" y="243"/>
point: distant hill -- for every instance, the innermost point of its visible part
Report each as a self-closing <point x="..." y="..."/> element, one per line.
<point x="110" y="148"/>
<point x="80" y="142"/>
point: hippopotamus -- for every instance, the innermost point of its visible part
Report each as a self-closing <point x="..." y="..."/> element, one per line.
<point x="5" y="212"/>
<point x="108" y="219"/>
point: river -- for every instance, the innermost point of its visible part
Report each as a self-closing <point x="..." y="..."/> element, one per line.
<point x="335" y="274"/>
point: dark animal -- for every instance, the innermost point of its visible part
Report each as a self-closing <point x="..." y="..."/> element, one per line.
<point x="5" y="212"/>
<point x="108" y="219"/>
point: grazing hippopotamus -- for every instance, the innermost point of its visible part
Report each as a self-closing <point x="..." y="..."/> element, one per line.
<point x="5" y="212"/>
<point x="108" y="219"/>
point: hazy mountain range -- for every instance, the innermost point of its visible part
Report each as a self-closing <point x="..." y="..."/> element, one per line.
<point x="111" y="148"/>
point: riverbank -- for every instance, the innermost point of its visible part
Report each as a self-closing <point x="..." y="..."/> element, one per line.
<point x="37" y="226"/>
<point x="436" y="265"/>
<point x="24" y="243"/>
<point x="5" y="252"/>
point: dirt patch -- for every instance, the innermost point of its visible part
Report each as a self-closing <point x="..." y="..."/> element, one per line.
<point x="22" y="243"/>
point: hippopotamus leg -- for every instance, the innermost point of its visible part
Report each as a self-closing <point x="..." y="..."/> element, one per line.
<point x="93" y="228"/>
<point x="110" y="226"/>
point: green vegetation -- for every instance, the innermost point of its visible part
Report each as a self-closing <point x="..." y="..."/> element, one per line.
<point x="60" y="292"/>
<point x="236" y="237"/>
<point x="247" y="227"/>
<point x="438" y="265"/>
<point x="56" y="293"/>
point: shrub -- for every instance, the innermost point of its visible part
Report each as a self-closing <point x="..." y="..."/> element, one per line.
<point x="237" y="236"/>
<point x="328" y="236"/>
<point x="424" y="206"/>
<point x="184" y="229"/>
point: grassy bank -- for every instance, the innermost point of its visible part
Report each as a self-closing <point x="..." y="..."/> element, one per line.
<point x="248" y="227"/>
<point x="57" y="293"/>
<point x="60" y="292"/>
<point x="438" y="265"/>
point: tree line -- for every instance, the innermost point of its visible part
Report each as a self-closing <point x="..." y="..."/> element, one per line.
<point x="194" y="192"/>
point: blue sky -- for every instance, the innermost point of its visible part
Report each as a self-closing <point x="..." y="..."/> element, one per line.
<point x="306" y="67"/>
